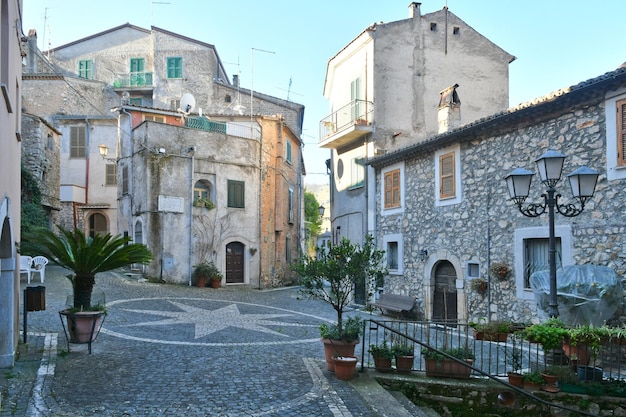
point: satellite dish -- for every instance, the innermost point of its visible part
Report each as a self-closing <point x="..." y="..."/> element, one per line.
<point x="187" y="103"/>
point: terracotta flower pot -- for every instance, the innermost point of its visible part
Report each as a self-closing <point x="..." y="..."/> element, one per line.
<point x="345" y="367"/>
<point x="515" y="379"/>
<point x="404" y="364"/>
<point x="382" y="364"/>
<point x="334" y="348"/>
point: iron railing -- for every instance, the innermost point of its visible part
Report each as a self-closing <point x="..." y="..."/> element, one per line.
<point x="355" y="113"/>
<point x="134" y="79"/>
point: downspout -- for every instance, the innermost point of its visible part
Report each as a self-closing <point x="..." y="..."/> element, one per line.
<point x="87" y="146"/>
<point x="488" y="262"/>
<point x="130" y="168"/>
<point x="260" y="200"/>
<point x="193" y="153"/>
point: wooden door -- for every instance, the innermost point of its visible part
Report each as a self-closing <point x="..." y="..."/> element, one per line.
<point x="234" y="263"/>
<point x="444" y="296"/>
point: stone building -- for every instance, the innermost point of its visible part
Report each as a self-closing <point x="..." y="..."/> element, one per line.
<point x="448" y="229"/>
<point x="383" y="88"/>
<point x="11" y="52"/>
<point x="118" y="91"/>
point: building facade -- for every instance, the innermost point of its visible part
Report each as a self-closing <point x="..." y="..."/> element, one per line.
<point x="383" y="88"/>
<point x="121" y="96"/>
<point x="11" y="53"/>
<point x="447" y="231"/>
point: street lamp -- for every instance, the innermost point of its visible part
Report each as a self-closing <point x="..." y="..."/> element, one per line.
<point x="321" y="210"/>
<point x="583" y="184"/>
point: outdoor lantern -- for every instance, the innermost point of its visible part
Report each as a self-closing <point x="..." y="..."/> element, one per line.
<point x="518" y="183"/>
<point x="104" y="150"/>
<point x="321" y="210"/>
<point x="583" y="182"/>
<point x="550" y="165"/>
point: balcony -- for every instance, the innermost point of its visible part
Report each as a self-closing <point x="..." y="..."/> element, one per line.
<point x="350" y="122"/>
<point x="134" y="80"/>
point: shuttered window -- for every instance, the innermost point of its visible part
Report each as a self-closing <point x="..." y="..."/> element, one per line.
<point x="621" y="132"/>
<point x="447" y="186"/>
<point x="78" y="142"/>
<point x="236" y="194"/>
<point x="392" y="189"/>
<point x="175" y="67"/>
<point x="111" y="174"/>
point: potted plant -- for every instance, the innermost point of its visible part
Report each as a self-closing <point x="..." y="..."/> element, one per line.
<point x="533" y="380"/>
<point x="206" y="272"/>
<point x="404" y="354"/>
<point x="479" y="285"/>
<point x="340" y="342"/>
<point x="493" y="331"/>
<point x="499" y="270"/>
<point x="383" y="355"/>
<point x="345" y="367"/>
<point x="583" y="342"/>
<point x="514" y="360"/>
<point x="439" y="363"/>
<point x="332" y="277"/>
<point x="549" y="334"/>
<point x="85" y="257"/>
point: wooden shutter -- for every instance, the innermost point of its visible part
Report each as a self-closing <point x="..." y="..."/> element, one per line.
<point x="447" y="186"/>
<point x="621" y="132"/>
<point x="392" y="189"/>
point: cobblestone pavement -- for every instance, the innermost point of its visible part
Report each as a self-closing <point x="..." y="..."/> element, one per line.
<point x="174" y="350"/>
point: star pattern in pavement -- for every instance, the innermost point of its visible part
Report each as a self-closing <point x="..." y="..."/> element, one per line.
<point x="211" y="321"/>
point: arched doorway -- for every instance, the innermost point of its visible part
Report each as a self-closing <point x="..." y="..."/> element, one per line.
<point x="234" y="263"/>
<point x="98" y="225"/>
<point x="444" y="295"/>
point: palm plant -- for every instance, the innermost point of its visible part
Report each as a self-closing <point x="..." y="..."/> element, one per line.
<point x="85" y="256"/>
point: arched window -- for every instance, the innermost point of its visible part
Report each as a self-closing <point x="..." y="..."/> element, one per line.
<point x="203" y="193"/>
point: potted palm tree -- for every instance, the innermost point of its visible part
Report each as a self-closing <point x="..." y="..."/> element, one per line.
<point x="332" y="277"/>
<point x="85" y="257"/>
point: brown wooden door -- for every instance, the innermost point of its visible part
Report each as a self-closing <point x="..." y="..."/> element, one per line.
<point x="234" y="263"/>
<point x="444" y="296"/>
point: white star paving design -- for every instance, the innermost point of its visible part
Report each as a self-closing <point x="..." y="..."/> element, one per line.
<point x="211" y="321"/>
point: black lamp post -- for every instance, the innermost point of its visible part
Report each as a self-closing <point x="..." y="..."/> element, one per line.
<point x="582" y="182"/>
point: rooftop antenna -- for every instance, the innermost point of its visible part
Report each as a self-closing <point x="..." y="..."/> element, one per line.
<point x="153" y="3"/>
<point x="252" y="83"/>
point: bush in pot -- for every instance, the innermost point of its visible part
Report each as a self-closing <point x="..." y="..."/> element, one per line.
<point x="206" y="272"/>
<point x="332" y="277"/>
<point x="439" y="363"/>
<point x="383" y="355"/>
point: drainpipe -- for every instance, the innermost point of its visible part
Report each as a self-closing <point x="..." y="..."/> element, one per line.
<point x="192" y="150"/>
<point x="260" y="200"/>
<point x="87" y="153"/>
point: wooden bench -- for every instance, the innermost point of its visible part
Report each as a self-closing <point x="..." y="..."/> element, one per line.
<point x="394" y="302"/>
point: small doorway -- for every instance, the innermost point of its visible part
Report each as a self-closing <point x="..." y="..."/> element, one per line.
<point x="234" y="263"/>
<point x="445" y="295"/>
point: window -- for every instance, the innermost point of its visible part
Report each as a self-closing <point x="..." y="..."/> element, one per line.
<point x="203" y="194"/>
<point x="290" y="206"/>
<point x="135" y="101"/>
<point x="473" y="270"/>
<point x="621" y="132"/>
<point x="111" y="174"/>
<point x="392" y="256"/>
<point x="85" y="69"/>
<point x="394" y="253"/>
<point x="236" y="194"/>
<point x="456" y="30"/>
<point x="174" y="105"/>
<point x="288" y="250"/>
<point x="357" y="172"/>
<point x="125" y="180"/>
<point x="97" y="225"/>
<point x="153" y="118"/>
<point x="392" y="189"/>
<point x="175" y="67"/>
<point x="355" y="98"/>
<point x="531" y="254"/>
<point x="447" y="187"/>
<point x="448" y="176"/>
<point x="137" y="75"/>
<point x="78" y="142"/>
<point x="288" y="153"/>
<point x="536" y="257"/>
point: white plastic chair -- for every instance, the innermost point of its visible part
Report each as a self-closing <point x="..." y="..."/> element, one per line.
<point x="26" y="263"/>
<point x="39" y="265"/>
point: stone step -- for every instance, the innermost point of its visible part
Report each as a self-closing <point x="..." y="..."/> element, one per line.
<point x="421" y="411"/>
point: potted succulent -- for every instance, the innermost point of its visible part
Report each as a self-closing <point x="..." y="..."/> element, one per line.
<point x="206" y="272"/>
<point x="332" y="276"/>
<point x="383" y="355"/>
<point x="439" y="364"/>
<point x="85" y="257"/>
<point x="404" y="354"/>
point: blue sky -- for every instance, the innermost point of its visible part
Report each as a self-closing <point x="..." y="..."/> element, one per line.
<point x="557" y="43"/>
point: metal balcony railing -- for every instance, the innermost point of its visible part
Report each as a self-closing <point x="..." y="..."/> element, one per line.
<point x="355" y="113"/>
<point x="134" y="79"/>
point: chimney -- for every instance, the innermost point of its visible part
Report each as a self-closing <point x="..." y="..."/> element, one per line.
<point x="414" y="10"/>
<point x="449" y="113"/>
<point x="32" y="51"/>
<point x="236" y="80"/>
